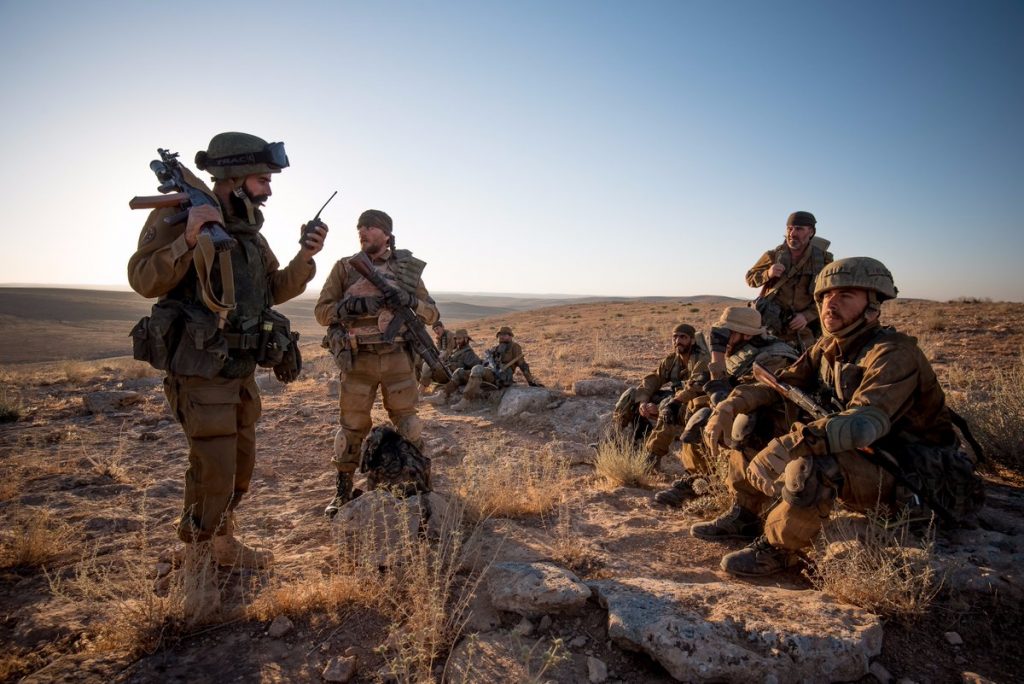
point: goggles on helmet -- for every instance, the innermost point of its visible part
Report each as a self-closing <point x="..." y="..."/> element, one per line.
<point x="273" y="155"/>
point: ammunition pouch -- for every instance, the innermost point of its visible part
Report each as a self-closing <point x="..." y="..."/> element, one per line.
<point x="201" y="349"/>
<point x="155" y="335"/>
<point x="337" y="342"/>
<point x="408" y="270"/>
<point x="291" y="363"/>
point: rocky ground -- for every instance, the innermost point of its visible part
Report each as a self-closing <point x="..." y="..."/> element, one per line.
<point x="603" y="586"/>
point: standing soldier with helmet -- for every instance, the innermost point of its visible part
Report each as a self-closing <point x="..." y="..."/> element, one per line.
<point x="786" y="277"/>
<point x="210" y="361"/>
<point x="350" y="299"/>
<point x="890" y="442"/>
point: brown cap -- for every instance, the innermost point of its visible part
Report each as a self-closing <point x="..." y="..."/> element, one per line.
<point x="462" y="333"/>
<point x="801" y="218"/>
<point x="504" y="330"/>
<point x="742" y="319"/>
<point x="684" y="329"/>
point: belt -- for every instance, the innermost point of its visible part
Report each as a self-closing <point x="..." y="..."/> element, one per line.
<point x="242" y="340"/>
<point x="380" y="347"/>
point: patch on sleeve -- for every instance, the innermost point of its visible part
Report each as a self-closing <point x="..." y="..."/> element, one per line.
<point x="148" y="236"/>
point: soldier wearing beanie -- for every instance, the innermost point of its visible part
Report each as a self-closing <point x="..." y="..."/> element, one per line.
<point x="636" y="415"/>
<point x="786" y="277"/>
<point x="210" y="385"/>
<point x="350" y="299"/>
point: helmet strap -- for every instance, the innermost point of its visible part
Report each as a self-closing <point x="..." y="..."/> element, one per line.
<point x="240" y="193"/>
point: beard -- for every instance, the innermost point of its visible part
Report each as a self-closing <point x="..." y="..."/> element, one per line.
<point x="684" y="349"/>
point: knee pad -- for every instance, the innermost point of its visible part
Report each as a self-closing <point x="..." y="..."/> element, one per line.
<point x="477" y="372"/>
<point x="411" y="427"/>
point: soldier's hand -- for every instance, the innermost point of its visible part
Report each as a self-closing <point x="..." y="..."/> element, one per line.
<point x="199" y="217"/>
<point x="776" y="270"/>
<point x="719" y="428"/>
<point x="354" y="307"/>
<point x="720" y="339"/>
<point x="765" y="468"/>
<point x="649" y="410"/>
<point x="313" y="241"/>
<point x="396" y="298"/>
<point x="798" y="322"/>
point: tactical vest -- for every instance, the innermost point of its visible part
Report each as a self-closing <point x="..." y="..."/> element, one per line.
<point x="404" y="270"/>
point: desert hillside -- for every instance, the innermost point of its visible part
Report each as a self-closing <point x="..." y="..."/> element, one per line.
<point x="91" y="466"/>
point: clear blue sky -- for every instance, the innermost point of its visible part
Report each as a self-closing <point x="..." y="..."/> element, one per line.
<point x="608" y="148"/>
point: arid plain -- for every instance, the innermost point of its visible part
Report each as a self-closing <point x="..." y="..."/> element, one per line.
<point x="91" y="466"/>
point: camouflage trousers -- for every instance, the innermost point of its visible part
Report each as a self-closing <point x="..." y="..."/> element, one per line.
<point x="388" y="368"/>
<point x="864" y="486"/>
<point x="219" y="419"/>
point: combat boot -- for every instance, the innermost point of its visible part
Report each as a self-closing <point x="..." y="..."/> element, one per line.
<point x="472" y="390"/>
<point x="759" y="559"/>
<point x="737" y="523"/>
<point x="199" y="583"/>
<point x="343" y="495"/>
<point x="229" y="552"/>
<point x="683" y="489"/>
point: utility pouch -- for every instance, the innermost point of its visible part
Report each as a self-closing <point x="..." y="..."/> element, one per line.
<point x="945" y="475"/>
<point x="154" y="336"/>
<point x="275" y="338"/>
<point x="291" y="361"/>
<point x="201" y="349"/>
<point x="771" y="313"/>
<point x="337" y="342"/>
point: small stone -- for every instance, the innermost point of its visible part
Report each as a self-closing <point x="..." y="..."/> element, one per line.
<point x="279" y="627"/>
<point x="578" y="642"/>
<point x="306" y="412"/>
<point x="545" y="623"/>
<point x="597" y="671"/>
<point x="333" y="388"/>
<point x="880" y="673"/>
<point x="162" y="569"/>
<point x="975" y="678"/>
<point x="524" y="628"/>
<point x="954" y="639"/>
<point x="340" y="669"/>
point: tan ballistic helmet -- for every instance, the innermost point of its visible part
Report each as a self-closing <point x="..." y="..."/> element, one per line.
<point x="742" y="319"/>
<point x="863" y="272"/>
<point x="462" y="334"/>
<point x="237" y="155"/>
<point x="504" y="330"/>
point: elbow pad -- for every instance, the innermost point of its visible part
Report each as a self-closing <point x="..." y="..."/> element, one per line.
<point x="856" y="428"/>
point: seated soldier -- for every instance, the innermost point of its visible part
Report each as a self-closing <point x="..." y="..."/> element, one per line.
<point x="460" y="361"/>
<point x="737" y="342"/>
<point x="445" y="342"/>
<point x="636" y="412"/>
<point x="888" y="398"/>
<point x="499" y="365"/>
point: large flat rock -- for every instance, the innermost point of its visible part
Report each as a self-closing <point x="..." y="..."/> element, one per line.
<point x="730" y="631"/>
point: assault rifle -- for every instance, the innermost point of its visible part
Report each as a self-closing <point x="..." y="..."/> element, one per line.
<point x="177" y="192"/>
<point x="874" y="455"/>
<point x="421" y="341"/>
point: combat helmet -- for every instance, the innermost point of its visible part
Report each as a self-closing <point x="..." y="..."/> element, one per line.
<point x="863" y="272"/>
<point x="237" y="155"/>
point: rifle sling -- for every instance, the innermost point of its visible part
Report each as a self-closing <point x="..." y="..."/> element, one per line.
<point x="203" y="258"/>
<point x="769" y="292"/>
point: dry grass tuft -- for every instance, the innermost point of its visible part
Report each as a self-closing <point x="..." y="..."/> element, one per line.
<point x="567" y="547"/>
<point x="719" y="498"/>
<point x="78" y="371"/>
<point x="33" y="539"/>
<point x="993" y="404"/>
<point x="620" y="462"/>
<point x="876" y="564"/>
<point x="510" y="485"/>
<point x="935" y="321"/>
<point x="10" y="406"/>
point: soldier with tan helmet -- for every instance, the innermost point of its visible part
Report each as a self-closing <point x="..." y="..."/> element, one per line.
<point x="349" y="298"/>
<point x="460" y="361"/>
<point x="786" y="277"/>
<point x="636" y="414"/>
<point x="499" y="366"/>
<point x="737" y="342"/>
<point x="209" y="384"/>
<point x="886" y="398"/>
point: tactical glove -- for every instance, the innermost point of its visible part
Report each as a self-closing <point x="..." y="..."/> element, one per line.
<point x="719" y="427"/>
<point x="396" y="298"/>
<point x="354" y="307"/>
<point x="719" y="339"/>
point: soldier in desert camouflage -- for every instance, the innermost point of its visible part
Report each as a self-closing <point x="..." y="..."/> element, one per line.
<point x="499" y="366"/>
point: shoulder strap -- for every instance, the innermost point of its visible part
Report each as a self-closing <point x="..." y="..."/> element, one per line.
<point x="203" y="257"/>
<point x="790" y="272"/>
